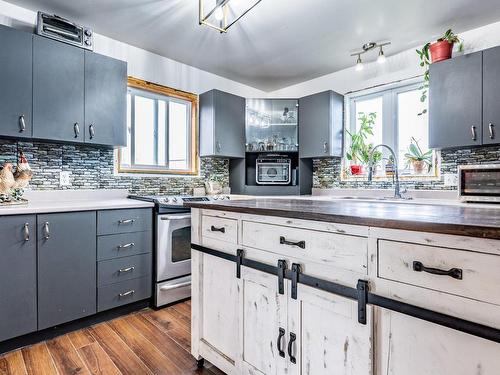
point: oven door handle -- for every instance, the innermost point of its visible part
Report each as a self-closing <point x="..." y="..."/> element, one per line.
<point x="175" y="286"/>
<point x="174" y="217"/>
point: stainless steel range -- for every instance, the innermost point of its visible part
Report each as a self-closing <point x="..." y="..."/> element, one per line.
<point x="172" y="267"/>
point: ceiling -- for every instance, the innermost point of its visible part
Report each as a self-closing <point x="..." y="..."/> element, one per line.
<point x="280" y="42"/>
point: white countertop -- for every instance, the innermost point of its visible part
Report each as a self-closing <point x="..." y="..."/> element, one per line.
<point x="73" y="200"/>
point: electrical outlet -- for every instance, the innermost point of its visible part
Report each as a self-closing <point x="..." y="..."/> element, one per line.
<point x="450" y="179"/>
<point x="64" y="178"/>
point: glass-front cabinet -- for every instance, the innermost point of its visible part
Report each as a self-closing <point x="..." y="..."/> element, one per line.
<point x="272" y="125"/>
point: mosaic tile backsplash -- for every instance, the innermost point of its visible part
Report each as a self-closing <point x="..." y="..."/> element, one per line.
<point x="93" y="168"/>
<point x="326" y="172"/>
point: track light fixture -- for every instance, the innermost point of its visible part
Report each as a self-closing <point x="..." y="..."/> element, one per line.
<point x="368" y="47"/>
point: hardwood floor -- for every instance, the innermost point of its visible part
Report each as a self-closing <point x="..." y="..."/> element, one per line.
<point x="147" y="342"/>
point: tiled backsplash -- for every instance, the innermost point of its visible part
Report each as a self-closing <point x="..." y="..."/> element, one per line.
<point x="93" y="168"/>
<point x="326" y="172"/>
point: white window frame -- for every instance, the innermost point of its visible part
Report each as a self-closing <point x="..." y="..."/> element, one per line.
<point x="390" y="127"/>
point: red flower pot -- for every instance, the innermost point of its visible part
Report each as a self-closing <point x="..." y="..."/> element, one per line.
<point x="356" y="170"/>
<point x="441" y="51"/>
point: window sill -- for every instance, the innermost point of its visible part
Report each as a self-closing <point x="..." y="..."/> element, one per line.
<point x="157" y="174"/>
<point x="408" y="178"/>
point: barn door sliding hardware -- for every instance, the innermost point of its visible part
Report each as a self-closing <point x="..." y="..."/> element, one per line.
<point x="361" y="294"/>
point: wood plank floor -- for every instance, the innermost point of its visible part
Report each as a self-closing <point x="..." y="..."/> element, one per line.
<point x="146" y="342"/>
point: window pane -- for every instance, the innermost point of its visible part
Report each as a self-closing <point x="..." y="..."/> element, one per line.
<point x="162" y="136"/>
<point x="178" y="128"/>
<point x="410" y="124"/>
<point x="144" y="131"/>
<point x="125" y="152"/>
<point x="373" y="105"/>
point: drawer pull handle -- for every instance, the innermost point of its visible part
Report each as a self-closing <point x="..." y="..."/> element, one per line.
<point x="26" y="231"/>
<point x="175" y="286"/>
<point x="473" y="131"/>
<point x="215" y="229"/>
<point x="126" y="221"/>
<point x="455" y="273"/>
<point x="126" y="294"/>
<point x="284" y="241"/>
<point x="492" y="132"/>
<point x="290" y="345"/>
<point x="280" y="338"/>
<point x="125" y="270"/>
<point x="22" y="123"/>
<point x="131" y="244"/>
<point x="46" y="230"/>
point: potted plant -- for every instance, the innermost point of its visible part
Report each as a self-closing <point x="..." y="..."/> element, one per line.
<point x="359" y="150"/>
<point x="434" y="52"/>
<point x="418" y="159"/>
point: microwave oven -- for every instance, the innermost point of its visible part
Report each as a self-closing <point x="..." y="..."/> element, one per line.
<point x="273" y="171"/>
<point x="479" y="183"/>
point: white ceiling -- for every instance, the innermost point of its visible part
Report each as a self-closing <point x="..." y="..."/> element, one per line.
<point x="280" y="42"/>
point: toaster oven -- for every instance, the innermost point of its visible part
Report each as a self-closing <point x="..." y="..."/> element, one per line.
<point x="479" y="183"/>
<point x="58" y="28"/>
<point x="273" y="171"/>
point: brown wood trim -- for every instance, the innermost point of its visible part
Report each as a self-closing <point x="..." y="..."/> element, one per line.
<point x="179" y="94"/>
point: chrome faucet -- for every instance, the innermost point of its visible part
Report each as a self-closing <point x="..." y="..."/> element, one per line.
<point x="397" y="189"/>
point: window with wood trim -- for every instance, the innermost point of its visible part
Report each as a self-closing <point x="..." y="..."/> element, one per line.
<point x="161" y="130"/>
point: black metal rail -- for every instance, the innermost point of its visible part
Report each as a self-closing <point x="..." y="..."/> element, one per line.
<point x="361" y="294"/>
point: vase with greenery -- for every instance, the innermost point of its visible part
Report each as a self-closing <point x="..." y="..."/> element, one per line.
<point x="434" y="52"/>
<point x="360" y="149"/>
<point x="417" y="158"/>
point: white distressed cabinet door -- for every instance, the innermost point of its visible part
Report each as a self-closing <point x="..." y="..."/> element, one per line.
<point x="411" y="346"/>
<point x="263" y="313"/>
<point x="330" y="341"/>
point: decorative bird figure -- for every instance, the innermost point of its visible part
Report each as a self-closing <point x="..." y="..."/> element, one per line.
<point x="7" y="180"/>
<point x="23" y="173"/>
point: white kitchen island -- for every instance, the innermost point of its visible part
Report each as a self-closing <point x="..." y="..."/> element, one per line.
<point x="434" y="270"/>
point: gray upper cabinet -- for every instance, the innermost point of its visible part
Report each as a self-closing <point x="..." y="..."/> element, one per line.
<point x="16" y="83"/>
<point x="455" y="102"/>
<point x="105" y="100"/>
<point x="66" y="267"/>
<point x="17" y="276"/>
<point x="222" y="125"/>
<point x="320" y="125"/>
<point x="491" y="94"/>
<point x="58" y="91"/>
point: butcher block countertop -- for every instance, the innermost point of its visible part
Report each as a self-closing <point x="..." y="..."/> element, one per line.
<point x="446" y="219"/>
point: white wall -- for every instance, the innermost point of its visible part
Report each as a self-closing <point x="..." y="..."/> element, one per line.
<point x="141" y="63"/>
<point x="401" y="66"/>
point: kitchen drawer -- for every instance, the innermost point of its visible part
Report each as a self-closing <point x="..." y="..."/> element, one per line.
<point x="122" y="293"/>
<point x="338" y="250"/>
<point x="480" y="272"/>
<point x="220" y="228"/>
<point x="120" y="269"/>
<point x="124" y="221"/>
<point x="122" y="245"/>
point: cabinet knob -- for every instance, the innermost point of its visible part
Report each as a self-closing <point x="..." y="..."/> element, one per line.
<point x="491" y="127"/>
<point x="92" y="131"/>
<point x="76" y="129"/>
<point x="46" y="230"/>
<point x="26" y="231"/>
<point x="473" y="131"/>
<point x="22" y="123"/>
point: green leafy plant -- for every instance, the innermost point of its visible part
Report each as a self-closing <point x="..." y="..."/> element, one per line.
<point x="359" y="150"/>
<point x="415" y="154"/>
<point x="425" y="61"/>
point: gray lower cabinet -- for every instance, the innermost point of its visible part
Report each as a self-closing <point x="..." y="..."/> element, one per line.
<point x="105" y="100"/>
<point x="16" y="83"/>
<point x="455" y="102"/>
<point x="222" y="125"/>
<point x="17" y="276"/>
<point x="58" y="90"/>
<point x="66" y="267"/>
<point x="491" y="93"/>
<point x="321" y="125"/>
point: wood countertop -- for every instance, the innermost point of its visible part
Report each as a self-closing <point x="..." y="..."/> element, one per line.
<point x="456" y="220"/>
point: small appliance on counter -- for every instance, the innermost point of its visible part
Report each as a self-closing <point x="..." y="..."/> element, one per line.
<point x="172" y="246"/>
<point x="273" y="169"/>
<point x="58" y="28"/>
<point x="479" y="183"/>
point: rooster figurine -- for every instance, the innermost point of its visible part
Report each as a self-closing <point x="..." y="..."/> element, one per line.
<point x="7" y="181"/>
<point x="23" y="173"/>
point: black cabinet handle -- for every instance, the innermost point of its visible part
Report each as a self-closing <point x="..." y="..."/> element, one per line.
<point x="455" y="273"/>
<point x="290" y="344"/>
<point x="280" y="338"/>
<point x="284" y="241"/>
<point x="215" y="229"/>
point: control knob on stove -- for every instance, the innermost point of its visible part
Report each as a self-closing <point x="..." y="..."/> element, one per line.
<point x="165" y="200"/>
<point x="174" y="199"/>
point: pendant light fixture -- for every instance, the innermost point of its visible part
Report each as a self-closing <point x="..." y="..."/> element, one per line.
<point x="222" y="14"/>
<point x="367" y="48"/>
